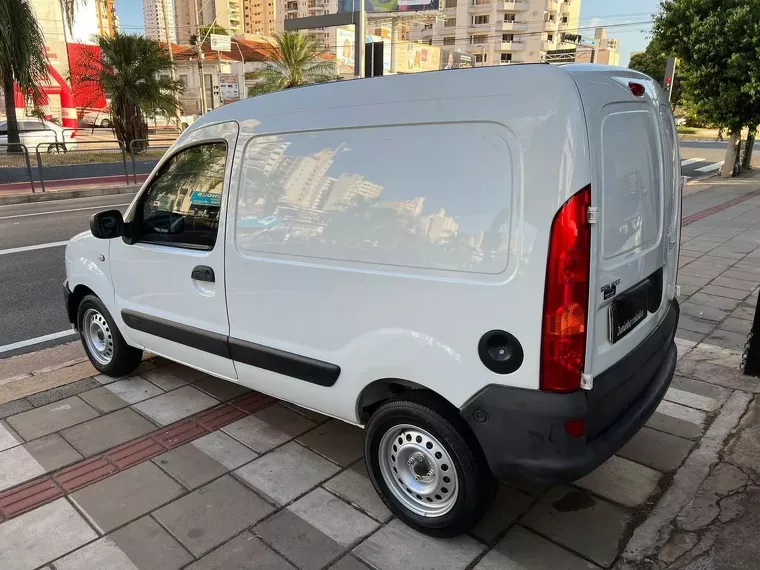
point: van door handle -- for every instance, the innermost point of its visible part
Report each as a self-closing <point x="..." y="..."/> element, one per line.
<point x="203" y="273"/>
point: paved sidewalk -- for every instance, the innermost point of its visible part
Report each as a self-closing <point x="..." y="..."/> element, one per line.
<point x="170" y="468"/>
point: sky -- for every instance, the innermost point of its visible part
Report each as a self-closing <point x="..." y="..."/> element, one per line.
<point x="625" y="19"/>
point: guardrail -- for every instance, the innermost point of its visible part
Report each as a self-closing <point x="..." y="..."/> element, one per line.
<point x="147" y="146"/>
<point x="93" y="153"/>
<point x="14" y="161"/>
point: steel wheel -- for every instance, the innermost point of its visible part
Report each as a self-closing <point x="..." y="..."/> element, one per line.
<point x="97" y="336"/>
<point x="418" y="470"/>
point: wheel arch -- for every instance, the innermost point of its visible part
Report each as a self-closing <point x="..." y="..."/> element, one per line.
<point x="77" y="294"/>
<point x="379" y="391"/>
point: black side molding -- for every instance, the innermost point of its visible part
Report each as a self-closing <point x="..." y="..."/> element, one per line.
<point x="282" y="362"/>
<point x="272" y="359"/>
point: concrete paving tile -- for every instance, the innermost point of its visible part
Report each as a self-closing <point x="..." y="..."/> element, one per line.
<point x="176" y="405"/>
<point x="61" y="392"/>
<point x="242" y="553"/>
<point x="699" y="269"/>
<point x="714" y="301"/>
<point x="589" y="526"/>
<point x="702" y="388"/>
<point x="691" y="400"/>
<point x="268" y="428"/>
<point x="224" y="449"/>
<point x="149" y="546"/>
<point x="42" y="535"/>
<point x="53" y="417"/>
<point x="102" y="553"/>
<point x="658" y="450"/>
<point x="17" y="466"/>
<point x="702" y="312"/>
<point x="727" y="339"/>
<point x="680" y="412"/>
<point x="621" y="481"/>
<point x="338" y="520"/>
<point x="727" y="292"/>
<point x="744" y="311"/>
<point x="189" y="465"/>
<point x="674" y="426"/>
<point x="40" y="383"/>
<point x="508" y="506"/>
<point x="735" y="325"/>
<point x="127" y="495"/>
<point x="356" y="488"/>
<point x="143" y="367"/>
<point x="213" y="514"/>
<point x="298" y="541"/>
<point x="287" y="472"/>
<point x="685" y="322"/>
<point x="741" y="276"/>
<point x="7" y="439"/>
<point x="107" y="431"/>
<point x="134" y="389"/>
<point x="684" y="334"/>
<point x="173" y="376"/>
<point x="349" y="562"/>
<point x="52" y="452"/>
<point x="222" y="390"/>
<point x="103" y="400"/>
<point x="14" y="407"/>
<point x="336" y="440"/>
<point x="398" y="547"/>
<point x="316" y="417"/>
<point x="734" y="284"/>
<point x="520" y="549"/>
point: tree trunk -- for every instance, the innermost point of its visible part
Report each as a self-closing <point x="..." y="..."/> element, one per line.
<point x="727" y="170"/>
<point x="747" y="163"/>
<point x="10" y="112"/>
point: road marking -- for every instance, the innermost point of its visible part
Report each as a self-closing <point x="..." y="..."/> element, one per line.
<point x="38" y="340"/>
<point x="33" y="247"/>
<point x="710" y="167"/>
<point x="63" y="211"/>
<point x="688" y="161"/>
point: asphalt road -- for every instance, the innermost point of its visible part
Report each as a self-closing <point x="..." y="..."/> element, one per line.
<point x="31" y="303"/>
<point x="704" y="158"/>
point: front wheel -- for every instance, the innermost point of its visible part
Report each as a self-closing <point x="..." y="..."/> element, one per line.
<point x="103" y="343"/>
<point x="427" y="466"/>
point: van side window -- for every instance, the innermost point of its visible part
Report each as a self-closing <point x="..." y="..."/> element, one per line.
<point x="181" y="206"/>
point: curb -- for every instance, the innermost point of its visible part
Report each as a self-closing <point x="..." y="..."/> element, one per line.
<point x="67" y="194"/>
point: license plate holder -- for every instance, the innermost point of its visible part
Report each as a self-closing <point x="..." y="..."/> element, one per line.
<point x="627" y="311"/>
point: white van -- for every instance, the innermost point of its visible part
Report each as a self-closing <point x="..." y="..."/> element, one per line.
<point x="478" y="266"/>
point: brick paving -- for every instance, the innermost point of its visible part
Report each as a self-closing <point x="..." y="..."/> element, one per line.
<point x="171" y="468"/>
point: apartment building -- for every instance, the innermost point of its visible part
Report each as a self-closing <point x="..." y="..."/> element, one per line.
<point x="260" y="17"/>
<point x="501" y="31"/>
<point x="289" y="9"/>
<point x="108" y="23"/>
<point x="154" y="12"/>
<point x="226" y="13"/>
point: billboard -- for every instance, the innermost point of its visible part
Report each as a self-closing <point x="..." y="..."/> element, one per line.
<point x="345" y="41"/>
<point x="389" y="5"/>
<point x="411" y="57"/>
<point x="455" y="60"/>
<point x="229" y="90"/>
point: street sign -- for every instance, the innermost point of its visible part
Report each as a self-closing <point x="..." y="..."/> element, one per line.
<point x="220" y="42"/>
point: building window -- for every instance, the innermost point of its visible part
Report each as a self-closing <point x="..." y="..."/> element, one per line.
<point x="477" y="20"/>
<point x="564" y="19"/>
<point x="509" y="18"/>
<point x="449" y="41"/>
<point x="506" y="57"/>
<point x="450" y="23"/>
<point x="550" y="37"/>
<point x="481" y="57"/>
<point x="451" y="3"/>
<point x="507" y="38"/>
<point x="478" y="39"/>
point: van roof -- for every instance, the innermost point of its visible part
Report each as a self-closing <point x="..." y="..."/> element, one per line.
<point x="513" y="80"/>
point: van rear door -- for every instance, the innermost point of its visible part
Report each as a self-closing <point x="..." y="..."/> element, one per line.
<point x="636" y="191"/>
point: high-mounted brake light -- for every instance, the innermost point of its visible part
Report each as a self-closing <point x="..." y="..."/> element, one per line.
<point x="563" y="334"/>
<point x="637" y="89"/>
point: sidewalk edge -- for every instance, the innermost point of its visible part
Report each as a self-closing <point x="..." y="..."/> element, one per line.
<point x="67" y="194"/>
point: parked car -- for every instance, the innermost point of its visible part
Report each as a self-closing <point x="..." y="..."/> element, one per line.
<point x="680" y="121"/>
<point x="159" y="121"/>
<point x="34" y="132"/>
<point x="478" y="266"/>
<point x="97" y="118"/>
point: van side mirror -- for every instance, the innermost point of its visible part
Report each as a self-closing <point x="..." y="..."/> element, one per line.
<point x="107" y="225"/>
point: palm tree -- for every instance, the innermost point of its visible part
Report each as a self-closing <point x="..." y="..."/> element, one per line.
<point x="135" y="73"/>
<point x="296" y="61"/>
<point x="22" y="57"/>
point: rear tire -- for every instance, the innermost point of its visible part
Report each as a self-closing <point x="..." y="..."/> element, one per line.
<point x="105" y="123"/>
<point x="102" y="341"/>
<point x="427" y="466"/>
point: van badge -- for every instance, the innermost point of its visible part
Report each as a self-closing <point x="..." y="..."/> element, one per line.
<point x="610" y="290"/>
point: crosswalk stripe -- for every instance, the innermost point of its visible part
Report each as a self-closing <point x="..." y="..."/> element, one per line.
<point x="710" y="167"/>
<point x="688" y="161"/>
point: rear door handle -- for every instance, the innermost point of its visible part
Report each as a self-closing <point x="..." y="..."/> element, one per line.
<point x="203" y="273"/>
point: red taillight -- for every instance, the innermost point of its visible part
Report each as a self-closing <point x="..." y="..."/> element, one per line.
<point x="637" y="89"/>
<point x="563" y="335"/>
<point x="576" y="428"/>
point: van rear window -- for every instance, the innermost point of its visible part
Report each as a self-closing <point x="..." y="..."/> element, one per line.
<point x="426" y="196"/>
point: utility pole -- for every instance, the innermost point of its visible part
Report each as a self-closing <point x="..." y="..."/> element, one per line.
<point x="199" y="45"/>
<point x="359" y="38"/>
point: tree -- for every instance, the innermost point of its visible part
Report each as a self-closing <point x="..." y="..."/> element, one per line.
<point x="717" y="42"/>
<point x="135" y="73"/>
<point x="206" y="31"/>
<point x="652" y="62"/>
<point x="22" y="58"/>
<point x="296" y="61"/>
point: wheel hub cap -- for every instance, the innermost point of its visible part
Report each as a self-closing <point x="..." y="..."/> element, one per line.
<point x="97" y="336"/>
<point x="418" y="470"/>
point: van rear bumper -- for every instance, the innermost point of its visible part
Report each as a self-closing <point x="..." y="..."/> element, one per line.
<point x="523" y="431"/>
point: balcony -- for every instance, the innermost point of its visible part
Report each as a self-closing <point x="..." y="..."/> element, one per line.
<point x="291" y="6"/>
<point x="546" y="45"/>
<point x="480" y="7"/>
<point x="511" y="26"/>
<point x="552" y="5"/>
<point x="512" y="46"/>
<point x="550" y="26"/>
<point x="426" y="32"/>
<point x="512" y="6"/>
<point x="480" y="28"/>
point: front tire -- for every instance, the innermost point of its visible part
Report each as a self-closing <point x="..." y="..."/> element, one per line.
<point x="427" y="466"/>
<point x="102" y="341"/>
